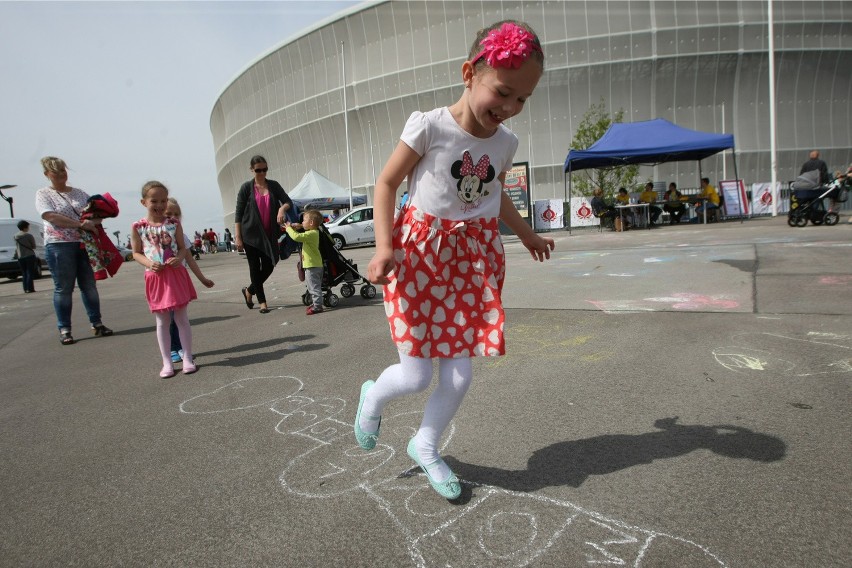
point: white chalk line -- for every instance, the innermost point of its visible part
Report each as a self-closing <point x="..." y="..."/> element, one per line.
<point x="317" y="421"/>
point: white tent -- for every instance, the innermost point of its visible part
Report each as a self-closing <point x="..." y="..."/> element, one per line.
<point x="317" y="192"/>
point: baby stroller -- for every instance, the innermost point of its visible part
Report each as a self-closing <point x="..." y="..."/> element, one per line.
<point x="807" y="200"/>
<point x="337" y="269"/>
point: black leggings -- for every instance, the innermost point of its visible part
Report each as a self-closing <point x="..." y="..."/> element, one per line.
<point x="260" y="268"/>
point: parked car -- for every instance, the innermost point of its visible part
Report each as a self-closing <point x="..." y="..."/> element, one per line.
<point x="352" y="228"/>
<point x="9" y="266"/>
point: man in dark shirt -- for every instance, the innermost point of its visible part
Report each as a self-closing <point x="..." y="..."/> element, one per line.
<point x="814" y="163"/>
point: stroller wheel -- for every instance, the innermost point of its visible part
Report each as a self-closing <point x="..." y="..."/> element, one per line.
<point x="333" y="300"/>
<point x="347" y="290"/>
<point x="817" y="219"/>
<point x="792" y="220"/>
<point x="306" y="299"/>
<point x="368" y="292"/>
<point x="831" y="218"/>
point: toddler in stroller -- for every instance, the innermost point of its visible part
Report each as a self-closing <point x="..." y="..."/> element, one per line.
<point x="336" y="270"/>
<point x="807" y="199"/>
<point x="339" y="270"/>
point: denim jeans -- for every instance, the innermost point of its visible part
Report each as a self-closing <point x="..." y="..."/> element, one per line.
<point x="173" y="333"/>
<point x="69" y="263"/>
<point x="28" y="270"/>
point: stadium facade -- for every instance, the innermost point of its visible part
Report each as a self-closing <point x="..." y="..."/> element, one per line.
<point x="699" y="64"/>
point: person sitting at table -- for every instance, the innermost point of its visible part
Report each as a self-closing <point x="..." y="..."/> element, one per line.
<point x="710" y="200"/>
<point x="649" y="196"/>
<point x="674" y="205"/>
<point x="601" y="209"/>
<point x="623" y="198"/>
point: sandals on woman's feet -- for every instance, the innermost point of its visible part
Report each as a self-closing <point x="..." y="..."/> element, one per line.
<point x="366" y="440"/>
<point x="449" y="489"/>
<point x="100" y="330"/>
<point x="65" y="338"/>
<point x="247" y="298"/>
<point x="265" y="310"/>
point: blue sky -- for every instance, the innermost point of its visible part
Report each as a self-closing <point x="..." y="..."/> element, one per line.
<point x="123" y="92"/>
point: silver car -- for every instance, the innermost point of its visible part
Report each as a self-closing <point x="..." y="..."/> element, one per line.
<point x="352" y="228"/>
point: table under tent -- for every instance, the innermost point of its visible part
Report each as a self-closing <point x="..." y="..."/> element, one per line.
<point x="647" y="143"/>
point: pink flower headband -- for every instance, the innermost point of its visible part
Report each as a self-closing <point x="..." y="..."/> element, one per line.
<point x="507" y="47"/>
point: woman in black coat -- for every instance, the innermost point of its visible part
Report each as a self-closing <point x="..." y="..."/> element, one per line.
<point x="262" y="205"/>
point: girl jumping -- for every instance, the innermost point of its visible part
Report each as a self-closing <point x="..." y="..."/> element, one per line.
<point x="167" y="284"/>
<point x="441" y="260"/>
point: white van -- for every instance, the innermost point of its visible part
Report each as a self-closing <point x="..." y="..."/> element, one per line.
<point x="9" y="267"/>
<point x="352" y="228"/>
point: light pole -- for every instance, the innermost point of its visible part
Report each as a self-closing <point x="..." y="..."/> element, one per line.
<point x="117" y="241"/>
<point x="9" y="200"/>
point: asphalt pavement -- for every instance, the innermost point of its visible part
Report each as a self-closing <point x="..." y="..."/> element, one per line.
<point x="676" y="397"/>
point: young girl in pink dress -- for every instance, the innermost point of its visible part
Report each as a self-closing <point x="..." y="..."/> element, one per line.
<point x="158" y="245"/>
<point x="441" y="260"/>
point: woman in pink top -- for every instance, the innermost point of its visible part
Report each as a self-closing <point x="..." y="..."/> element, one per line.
<point x="261" y="207"/>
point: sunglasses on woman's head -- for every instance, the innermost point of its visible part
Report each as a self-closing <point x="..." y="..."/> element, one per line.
<point x="261" y="170"/>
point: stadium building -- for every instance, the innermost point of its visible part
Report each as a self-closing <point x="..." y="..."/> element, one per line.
<point x="699" y="64"/>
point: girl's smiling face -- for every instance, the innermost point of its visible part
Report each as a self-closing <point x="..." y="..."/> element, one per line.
<point x="155" y="201"/>
<point x="496" y="95"/>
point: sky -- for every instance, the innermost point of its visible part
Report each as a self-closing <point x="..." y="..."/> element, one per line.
<point x="122" y="91"/>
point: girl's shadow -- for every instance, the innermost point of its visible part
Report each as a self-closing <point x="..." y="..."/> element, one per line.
<point x="571" y="462"/>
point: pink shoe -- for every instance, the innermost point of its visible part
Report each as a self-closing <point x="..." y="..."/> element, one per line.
<point x="188" y="367"/>
<point x="167" y="372"/>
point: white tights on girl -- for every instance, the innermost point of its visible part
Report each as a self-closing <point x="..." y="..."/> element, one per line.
<point x="414" y="375"/>
<point x="184" y="332"/>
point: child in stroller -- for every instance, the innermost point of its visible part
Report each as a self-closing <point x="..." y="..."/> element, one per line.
<point x="339" y="270"/>
<point x="807" y="199"/>
<point x="336" y="270"/>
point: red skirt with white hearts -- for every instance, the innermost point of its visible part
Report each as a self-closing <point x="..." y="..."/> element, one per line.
<point x="443" y="299"/>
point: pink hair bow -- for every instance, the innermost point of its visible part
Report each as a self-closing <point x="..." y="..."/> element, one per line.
<point x="509" y="46"/>
<point x="480" y="170"/>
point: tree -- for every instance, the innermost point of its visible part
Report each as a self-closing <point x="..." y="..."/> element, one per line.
<point x="595" y="123"/>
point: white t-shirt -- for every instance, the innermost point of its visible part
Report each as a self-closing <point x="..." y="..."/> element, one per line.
<point x="70" y="204"/>
<point x="456" y="177"/>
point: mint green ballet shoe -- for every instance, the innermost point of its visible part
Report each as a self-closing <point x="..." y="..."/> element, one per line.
<point x="366" y="440"/>
<point x="449" y="489"/>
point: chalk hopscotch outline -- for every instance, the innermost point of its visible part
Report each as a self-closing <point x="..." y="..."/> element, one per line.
<point x="509" y="528"/>
<point x="745" y="357"/>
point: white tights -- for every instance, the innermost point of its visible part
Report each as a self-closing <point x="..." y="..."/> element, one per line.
<point x="164" y="338"/>
<point x="413" y="375"/>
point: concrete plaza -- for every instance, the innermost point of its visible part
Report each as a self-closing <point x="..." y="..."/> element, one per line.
<point x="673" y="397"/>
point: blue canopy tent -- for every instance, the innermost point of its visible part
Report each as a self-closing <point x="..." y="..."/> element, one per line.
<point x="648" y="142"/>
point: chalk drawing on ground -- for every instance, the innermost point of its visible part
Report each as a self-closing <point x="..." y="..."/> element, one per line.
<point x="825" y="354"/>
<point x="539" y="341"/>
<point x="681" y="301"/>
<point x="495" y="527"/>
<point x="836" y="279"/>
